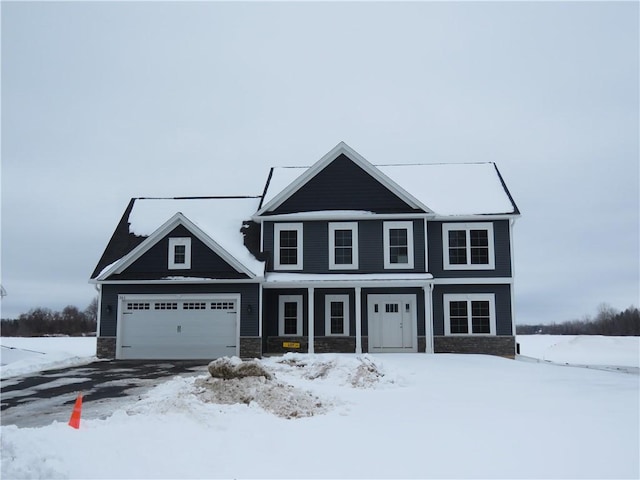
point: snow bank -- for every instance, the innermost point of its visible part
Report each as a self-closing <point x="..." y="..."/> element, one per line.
<point x="582" y="349"/>
<point x="24" y="355"/>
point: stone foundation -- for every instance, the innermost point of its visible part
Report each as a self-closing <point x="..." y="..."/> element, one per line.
<point x="106" y="347"/>
<point x="334" y="344"/>
<point x="250" y="347"/>
<point x="275" y="344"/>
<point x="503" y="346"/>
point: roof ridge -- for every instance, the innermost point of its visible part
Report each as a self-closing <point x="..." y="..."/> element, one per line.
<point x="208" y="197"/>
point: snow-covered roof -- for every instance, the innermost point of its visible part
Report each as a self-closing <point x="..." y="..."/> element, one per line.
<point x="220" y="218"/>
<point x="448" y="189"/>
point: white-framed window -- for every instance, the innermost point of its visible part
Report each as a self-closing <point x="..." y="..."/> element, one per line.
<point x="472" y="314"/>
<point x="336" y="315"/>
<point x="343" y="245"/>
<point x="468" y="246"/>
<point x="290" y="315"/>
<point x="287" y="246"/>
<point x="398" y="244"/>
<point x="179" y="253"/>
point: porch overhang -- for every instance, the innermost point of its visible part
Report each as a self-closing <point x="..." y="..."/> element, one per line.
<point x="337" y="280"/>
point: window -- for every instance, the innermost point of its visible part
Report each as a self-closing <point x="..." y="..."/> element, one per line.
<point x="343" y="245"/>
<point x="468" y="246"/>
<point x="290" y="315"/>
<point x="288" y="246"/>
<point x="179" y="253"/>
<point x="336" y="308"/>
<point x="398" y="244"/>
<point x="469" y="314"/>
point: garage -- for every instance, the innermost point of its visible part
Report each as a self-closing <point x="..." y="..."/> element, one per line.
<point x="177" y="327"/>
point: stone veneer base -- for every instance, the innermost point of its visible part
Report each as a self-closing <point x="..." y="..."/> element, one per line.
<point x="503" y="346"/>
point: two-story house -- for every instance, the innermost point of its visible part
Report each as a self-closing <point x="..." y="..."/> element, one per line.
<point x="342" y="256"/>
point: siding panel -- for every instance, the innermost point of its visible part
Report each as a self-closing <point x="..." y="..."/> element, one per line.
<point x="502" y="251"/>
<point x="503" y="304"/>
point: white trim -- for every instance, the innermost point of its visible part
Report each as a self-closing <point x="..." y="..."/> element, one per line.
<point x="341" y="216"/>
<point x="281" y="301"/>
<point x="260" y="313"/>
<point x="426" y="245"/>
<point x="474" y="281"/>
<point x="178" y="219"/>
<point x="173" y="281"/>
<point x="335" y="152"/>
<point x="173" y="243"/>
<point x="513" y="276"/>
<point x="328" y="299"/>
<point x="279" y="227"/>
<point x="471" y="297"/>
<point x="387" y="226"/>
<point x="358" y="312"/>
<point x="353" y="227"/>
<point x="98" y="288"/>
<point x="310" y="320"/>
<point x="467" y="227"/>
<point x="122" y="298"/>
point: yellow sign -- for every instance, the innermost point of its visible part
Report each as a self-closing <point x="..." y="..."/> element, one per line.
<point x="291" y="344"/>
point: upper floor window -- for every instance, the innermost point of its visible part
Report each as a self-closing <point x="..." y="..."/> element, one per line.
<point x="468" y="246"/>
<point x="398" y="244"/>
<point x="336" y="315"/>
<point x="469" y="314"/>
<point x="288" y="246"/>
<point x="179" y="253"/>
<point x="343" y="245"/>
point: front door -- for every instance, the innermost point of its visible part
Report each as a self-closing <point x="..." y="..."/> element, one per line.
<point x="392" y="323"/>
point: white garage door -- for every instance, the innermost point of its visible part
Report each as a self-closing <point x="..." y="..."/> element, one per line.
<point x="177" y="327"/>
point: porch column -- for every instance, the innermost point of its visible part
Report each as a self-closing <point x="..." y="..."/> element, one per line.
<point x="358" y="305"/>
<point x="310" y="318"/>
<point x="428" y="320"/>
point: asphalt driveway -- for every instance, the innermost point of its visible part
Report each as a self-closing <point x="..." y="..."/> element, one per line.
<point x="40" y="398"/>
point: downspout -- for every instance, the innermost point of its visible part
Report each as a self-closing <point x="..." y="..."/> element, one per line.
<point x="512" y="223"/>
<point x="431" y="285"/>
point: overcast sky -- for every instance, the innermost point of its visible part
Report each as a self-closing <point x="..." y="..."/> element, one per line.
<point x="102" y="102"/>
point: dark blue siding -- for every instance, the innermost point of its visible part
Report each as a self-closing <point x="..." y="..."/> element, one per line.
<point x="503" y="304"/>
<point x="270" y="312"/>
<point x="249" y="325"/>
<point x="343" y="185"/>
<point x="319" y="309"/>
<point x="370" y="245"/>
<point x="154" y="264"/>
<point x="502" y="249"/>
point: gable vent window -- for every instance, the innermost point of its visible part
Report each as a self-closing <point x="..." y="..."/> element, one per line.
<point x="468" y="246"/>
<point x="343" y="246"/>
<point x="180" y="253"/>
<point x="398" y="245"/>
<point x="288" y="246"/>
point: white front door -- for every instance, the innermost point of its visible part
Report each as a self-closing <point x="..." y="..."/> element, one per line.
<point x="392" y="323"/>
<point x="172" y="327"/>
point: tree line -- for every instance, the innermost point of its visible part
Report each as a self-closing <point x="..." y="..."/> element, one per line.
<point x="39" y="322"/>
<point x="608" y="321"/>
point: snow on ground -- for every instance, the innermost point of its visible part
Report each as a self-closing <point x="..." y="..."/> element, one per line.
<point x="23" y="355"/>
<point x="370" y="416"/>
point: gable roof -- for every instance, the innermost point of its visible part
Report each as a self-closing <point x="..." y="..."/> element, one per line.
<point x="277" y="191"/>
<point x="216" y="221"/>
<point x="456" y="189"/>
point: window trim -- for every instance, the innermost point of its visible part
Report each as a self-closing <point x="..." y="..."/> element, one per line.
<point x="387" y="227"/>
<point x="471" y="297"/>
<point x="173" y="243"/>
<point x="467" y="227"/>
<point x="353" y="227"/>
<point x="277" y="228"/>
<point x="327" y="315"/>
<point x="282" y="299"/>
